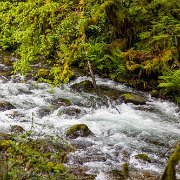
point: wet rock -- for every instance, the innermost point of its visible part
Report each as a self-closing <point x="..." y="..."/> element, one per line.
<point x="15" y="114"/>
<point x="143" y="157"/>
<point x="4" y="105"/>
<point x="84" y="86"/>
<point x="71" y="111"/>
<point x="154" y="93"/>
<point x="5" y="73"/>
<point x="109" y="92"/>
<point x="78" y="130"/>
<point x="81" y="144"/>
<point x="17" y="129"/>
<point x="43" y="112"/>
<point x="80" y="173"/>
<point x="133" y="98"/>
<point x="60" y="102"/>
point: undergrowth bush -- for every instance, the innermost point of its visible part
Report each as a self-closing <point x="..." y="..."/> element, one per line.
<point x="120" y="38"/>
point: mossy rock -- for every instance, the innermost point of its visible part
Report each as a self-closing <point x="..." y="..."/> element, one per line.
<point x="154" y="93"/>
<point x="109" y="92"/>
<point x="4" y="105"/>
<point x="85" y="86"/>
<point x="78" y="130"/>
<point x="143" y="157"/>
<point x="133" y="98"/>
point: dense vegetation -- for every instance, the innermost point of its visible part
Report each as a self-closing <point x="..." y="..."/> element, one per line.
<point x="129" y="41"/>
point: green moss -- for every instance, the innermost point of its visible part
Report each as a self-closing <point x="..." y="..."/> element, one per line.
<point x="143" y="157"/>
<point x="78" y="130"/>
<point x="133" y="98"/>
<point x="4" y="144"/>
<point x="170" y="171"/>
<point x="125" y="169"/>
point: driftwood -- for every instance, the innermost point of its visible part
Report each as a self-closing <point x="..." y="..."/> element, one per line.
<point x="92" y="75"/>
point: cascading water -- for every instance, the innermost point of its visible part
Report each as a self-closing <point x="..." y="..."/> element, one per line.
<point x="121" y="131"/>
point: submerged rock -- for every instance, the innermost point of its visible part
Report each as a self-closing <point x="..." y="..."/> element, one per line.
<point x="133" y="98"/>
<point x="71" y="111"/>
<point x="44" y="111"/>
<point x="78" y="130"/>
<point x="4" y="105"/>
<point x="60" y="102"/>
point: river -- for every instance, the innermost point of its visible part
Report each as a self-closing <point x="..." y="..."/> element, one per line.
<point x="121" y="130"/>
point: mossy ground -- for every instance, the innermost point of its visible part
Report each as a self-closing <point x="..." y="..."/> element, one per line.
<point x="26" y="158"/>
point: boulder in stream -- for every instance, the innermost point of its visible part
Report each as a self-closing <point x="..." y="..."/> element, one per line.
<point x="4" y="105"/>
<point x="84" y="86"/>
<point x="133" y="98"/>
<point x="78" y="130"/>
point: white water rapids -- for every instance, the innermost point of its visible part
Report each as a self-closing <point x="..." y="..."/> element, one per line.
<point x="120" y="130"/>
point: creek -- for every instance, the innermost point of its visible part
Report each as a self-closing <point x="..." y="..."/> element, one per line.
<point x="121" y="130"/>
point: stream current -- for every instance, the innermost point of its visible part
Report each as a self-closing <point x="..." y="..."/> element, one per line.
<point x="121" y="131"/>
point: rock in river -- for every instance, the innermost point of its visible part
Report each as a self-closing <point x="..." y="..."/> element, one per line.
<point x="78" y="130"/>
<point x="4" y="105"/>
<point x="133" y="98"/>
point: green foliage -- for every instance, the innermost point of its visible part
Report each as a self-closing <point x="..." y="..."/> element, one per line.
<point x="172" y="83"/>
<point x="138" y="39"/>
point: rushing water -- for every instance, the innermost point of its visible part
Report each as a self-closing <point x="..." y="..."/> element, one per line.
<point x="121" y="130"/>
